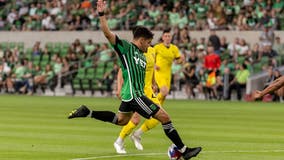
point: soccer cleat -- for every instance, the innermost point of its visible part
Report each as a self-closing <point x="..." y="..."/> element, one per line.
<point x="82" y="111"/>
<point x="119" y="148"/>
<point x="191" y="152"/>
<point x="137" y="141"/>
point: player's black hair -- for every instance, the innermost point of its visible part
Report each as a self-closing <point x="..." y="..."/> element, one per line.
<point x="142" y="32"/>
<point x="168" y="30"/>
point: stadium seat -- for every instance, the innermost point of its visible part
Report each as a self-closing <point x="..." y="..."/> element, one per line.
<point x="12" y="45"/>
<point x="5" y="45"/>
<point x="85" y="85"/>
<point x="90" y="73"/>
<point x="76" y="84"/>
<point x="81" y="73"/>
<point x="109" y="66"/>
<point x="45" y="58"/>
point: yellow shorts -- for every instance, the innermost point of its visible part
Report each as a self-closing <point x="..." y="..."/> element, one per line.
<point x="151" y="95"/>
<point x="163" y="81"/>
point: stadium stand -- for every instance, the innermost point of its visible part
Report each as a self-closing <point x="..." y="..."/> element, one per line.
<point x="53" y="15"/>
<point x="89" y="66"/>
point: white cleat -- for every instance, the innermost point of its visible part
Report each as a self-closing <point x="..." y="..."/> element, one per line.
<point x="119" y="148"/>
<point x="137" y="141"/>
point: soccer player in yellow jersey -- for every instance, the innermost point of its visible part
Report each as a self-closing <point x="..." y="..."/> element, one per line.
<point x="166" y="53"/>
<point x="149" y="123"/>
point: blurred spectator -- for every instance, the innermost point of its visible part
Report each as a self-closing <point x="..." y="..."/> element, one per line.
<point x="270" y="77"/>
<point x="200" y="10"/>
<point x="212" y="61"/>
<point x="79" y="15"/>
<point x="214" y="40"/>
<point x="278" y="46"/>
<point x="223" y="44"/>
<point x="219" y="15"/>
<point x="243" y="48"/>
<point x="278" y="6"/>
<point x="45" y="76"/>
<point x="211" y="21"/>
<point x="21" y="78"/>
<point x="86" y="4"/>
<point x="105" y="54"/>
<point x="191" y="80"/>
<point x="239" y="82"/>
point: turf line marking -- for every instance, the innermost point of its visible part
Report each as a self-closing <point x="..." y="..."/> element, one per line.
<point x="153" y="154"/>
<point x="120" y="155"/>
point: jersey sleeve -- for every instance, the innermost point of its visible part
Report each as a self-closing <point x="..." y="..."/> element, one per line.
<point x="176" y="52"/>
<point x="120" y="46"/>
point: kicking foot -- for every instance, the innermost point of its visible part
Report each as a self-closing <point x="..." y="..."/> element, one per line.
<point x="191" y="152"/>
<point x="82" y="111"/>
<point x="119" y="148"/>
<point x="137" y="141"/>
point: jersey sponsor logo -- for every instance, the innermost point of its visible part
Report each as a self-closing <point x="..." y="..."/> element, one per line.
<point x="140" y="62"/>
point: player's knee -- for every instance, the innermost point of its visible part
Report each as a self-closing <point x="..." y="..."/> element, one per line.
<point x="162" y="116"/>
<point x="164" y="91"/>
<point x="135" y="120"/>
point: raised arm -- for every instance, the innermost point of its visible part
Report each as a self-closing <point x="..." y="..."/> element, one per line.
<point x="119" y="83"/>
<point x="278" y="83"/>
<point x="101" y="5"/>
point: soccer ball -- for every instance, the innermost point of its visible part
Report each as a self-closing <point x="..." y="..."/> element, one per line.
<point x="174" y="153"/>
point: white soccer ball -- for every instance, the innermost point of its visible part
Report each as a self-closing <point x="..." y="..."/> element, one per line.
<point x="174" y="153"/>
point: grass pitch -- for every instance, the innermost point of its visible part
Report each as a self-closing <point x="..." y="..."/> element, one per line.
<point x="37" y="128"/>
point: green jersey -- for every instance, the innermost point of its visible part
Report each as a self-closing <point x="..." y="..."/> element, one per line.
<point x="133" y="66"/>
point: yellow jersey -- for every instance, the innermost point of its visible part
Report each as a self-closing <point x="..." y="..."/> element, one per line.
<point x="164" y="59"/>
<point x="149" y="75"/>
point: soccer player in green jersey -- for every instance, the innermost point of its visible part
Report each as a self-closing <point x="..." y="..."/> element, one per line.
<point x="133" y="65"/>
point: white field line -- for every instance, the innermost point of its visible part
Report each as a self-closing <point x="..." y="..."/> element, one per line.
<point x="153" y="154"/>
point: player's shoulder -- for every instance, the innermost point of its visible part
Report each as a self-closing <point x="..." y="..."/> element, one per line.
<point x="151" y="49"/>
<point x="158" y="45"/>
<point x="173" y="46"/>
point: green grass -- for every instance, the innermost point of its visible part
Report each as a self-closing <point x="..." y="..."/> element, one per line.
<point x="33" y="128"/>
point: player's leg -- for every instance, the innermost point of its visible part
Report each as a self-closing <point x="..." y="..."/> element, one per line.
<point x="125" y="131"/>
<point x="173" y="135"/>
<point x="147" y="109"/>
<point x="164" y="86"/>
<point x="164" y="91"/>
<point x="121" y="118"/>
<point x="148" y="123"/>
<point x="146" y="126"/>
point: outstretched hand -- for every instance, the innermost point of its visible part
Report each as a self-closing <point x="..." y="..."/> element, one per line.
<point x="101" y="5"/>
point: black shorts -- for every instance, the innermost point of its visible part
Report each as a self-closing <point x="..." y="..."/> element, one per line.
<point x="142" y="105"/>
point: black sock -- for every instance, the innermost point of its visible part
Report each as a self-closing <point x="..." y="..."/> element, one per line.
<point x="173" y="134"/>
<point x="105" y="116"/>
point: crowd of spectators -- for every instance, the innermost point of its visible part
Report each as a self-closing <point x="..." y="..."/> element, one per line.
<point x="25" y="15"/>
<point x="213" y="66"/>
<point x="46" y="66"/>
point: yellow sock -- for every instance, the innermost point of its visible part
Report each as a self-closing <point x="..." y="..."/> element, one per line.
<point x="161" y="98"/>
<point x="149" y="124"/>
<point x="127" y="129"/>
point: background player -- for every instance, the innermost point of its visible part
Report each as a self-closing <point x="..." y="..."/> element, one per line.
<point x="166" y="53"/>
